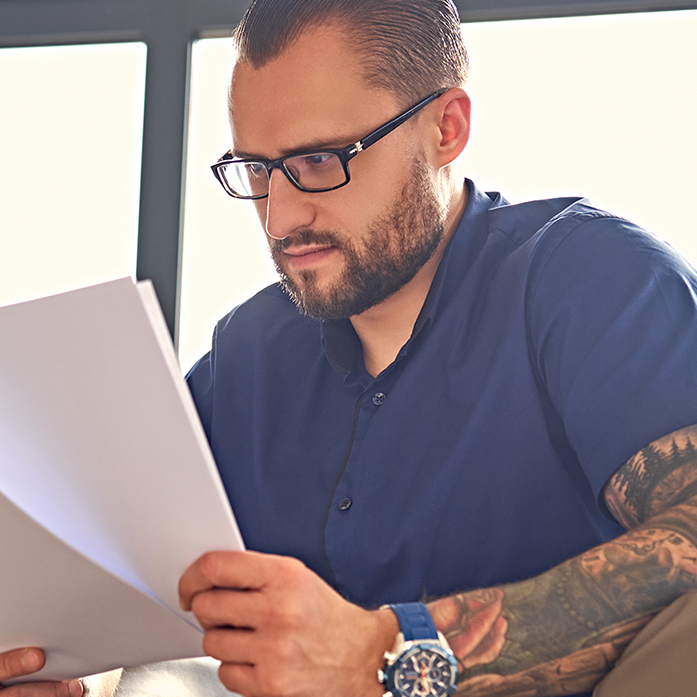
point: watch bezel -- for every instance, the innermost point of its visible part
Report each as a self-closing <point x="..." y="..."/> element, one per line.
<point x="405" y="650"/>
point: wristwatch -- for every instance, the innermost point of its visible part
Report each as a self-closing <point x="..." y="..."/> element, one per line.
<point x="421" y="663"/>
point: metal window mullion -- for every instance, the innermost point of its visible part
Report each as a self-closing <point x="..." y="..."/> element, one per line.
<point x="162" y="172"/>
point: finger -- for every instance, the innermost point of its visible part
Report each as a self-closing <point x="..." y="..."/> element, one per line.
<point x="242" y="570"/>
<point x="71" y="688"/>
<point x="239" y="678"/>
<point x="253" y="681"/>
<point x="14" y="664"/>
<point x="229" y="608"/>
<point x="240" y="646"/>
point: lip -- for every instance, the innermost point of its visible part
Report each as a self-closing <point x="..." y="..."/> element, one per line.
<point x="306" y="256"/>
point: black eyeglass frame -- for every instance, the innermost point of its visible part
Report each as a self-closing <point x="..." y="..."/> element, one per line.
<point x="344" y="154"/>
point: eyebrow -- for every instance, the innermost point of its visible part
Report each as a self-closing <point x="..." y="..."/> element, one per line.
<point x="328" y="144"/>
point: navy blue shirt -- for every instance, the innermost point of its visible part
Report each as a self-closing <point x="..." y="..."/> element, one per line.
<point x="556" y="341"/>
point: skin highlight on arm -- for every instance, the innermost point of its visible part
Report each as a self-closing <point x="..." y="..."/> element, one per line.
<point x="562" y="631"/>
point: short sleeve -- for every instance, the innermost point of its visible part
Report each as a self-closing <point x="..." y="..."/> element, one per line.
<point x="613" y="334"/>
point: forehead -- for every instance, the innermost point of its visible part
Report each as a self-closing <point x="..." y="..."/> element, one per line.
<point x="314" y="94"/>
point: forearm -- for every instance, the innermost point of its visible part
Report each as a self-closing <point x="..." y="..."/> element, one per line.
<point x="560" y="632"/>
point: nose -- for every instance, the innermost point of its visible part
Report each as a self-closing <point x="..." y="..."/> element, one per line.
<point x="287" y="208"/>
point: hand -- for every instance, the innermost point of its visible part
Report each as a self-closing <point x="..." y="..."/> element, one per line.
<point x="15" y="664"/>
<point x="280" y="630"/>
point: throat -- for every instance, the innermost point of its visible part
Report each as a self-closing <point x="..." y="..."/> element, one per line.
<point x="382" y="337"/>
<point x="376" y="361"/>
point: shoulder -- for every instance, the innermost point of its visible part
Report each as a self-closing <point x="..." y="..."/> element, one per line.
<point x="265" y="327"/>
<point x="590" y="270"/>
<point x="555" y="250"/>
<point x="587" y="253"/>
<point x="269" y="301"/>
<point x="267" y="316"/>
<point x="265" y="333"/>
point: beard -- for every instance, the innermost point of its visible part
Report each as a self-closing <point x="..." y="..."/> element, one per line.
<point x="397" y="245"/>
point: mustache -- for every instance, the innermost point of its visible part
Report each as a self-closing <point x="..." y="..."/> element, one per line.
<point x="306" y="237"/>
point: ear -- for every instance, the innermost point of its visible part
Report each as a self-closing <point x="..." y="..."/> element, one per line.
<point x="452" y="126"/>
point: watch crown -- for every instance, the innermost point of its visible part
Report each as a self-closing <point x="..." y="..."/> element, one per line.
<point x="381" y="675"/>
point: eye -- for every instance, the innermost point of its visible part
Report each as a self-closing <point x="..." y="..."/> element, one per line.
<point x="316" y="160"/>
<point x="255" y="169"/>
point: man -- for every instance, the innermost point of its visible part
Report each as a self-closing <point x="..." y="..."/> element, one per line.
<point x="447" y="392"/>
<point x="456" y="419"/>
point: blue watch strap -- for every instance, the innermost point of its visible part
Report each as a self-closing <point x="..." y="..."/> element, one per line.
<point x="414" y="621"/>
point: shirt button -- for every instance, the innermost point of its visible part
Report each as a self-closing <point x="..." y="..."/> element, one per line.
<point x="379" y="399"/>
<point x="345" y="504"/>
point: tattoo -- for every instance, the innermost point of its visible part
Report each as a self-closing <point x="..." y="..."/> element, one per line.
<point x="480" y="612"/>
<point x="656" y="478"/>
<point x="561" y="632"/>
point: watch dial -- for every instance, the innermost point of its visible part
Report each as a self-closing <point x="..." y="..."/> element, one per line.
<point x="424" y="674"/>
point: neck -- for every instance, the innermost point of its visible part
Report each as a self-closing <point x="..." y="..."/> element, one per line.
<point x="385" y="328"/>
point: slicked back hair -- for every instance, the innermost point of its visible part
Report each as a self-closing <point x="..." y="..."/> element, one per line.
<point x="410" y="47"/>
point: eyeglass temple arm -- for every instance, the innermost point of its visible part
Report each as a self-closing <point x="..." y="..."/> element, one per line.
<point x="390" y="126"/>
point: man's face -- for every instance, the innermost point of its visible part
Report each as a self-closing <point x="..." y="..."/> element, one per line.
<point x="340" y="252"/>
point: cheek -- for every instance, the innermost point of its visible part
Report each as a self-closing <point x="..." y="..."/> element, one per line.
<point x="377" y="179"/>
<point x="356" y="206"/>
<point x="260" y="207"/>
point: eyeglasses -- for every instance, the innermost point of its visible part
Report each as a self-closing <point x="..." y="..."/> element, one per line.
<point x="312" y="171"/>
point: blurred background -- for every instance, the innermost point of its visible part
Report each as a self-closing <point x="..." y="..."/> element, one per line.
<point x="599" y="106"/>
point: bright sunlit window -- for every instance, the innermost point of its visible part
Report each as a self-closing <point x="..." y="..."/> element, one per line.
<point x="71" y="127"/>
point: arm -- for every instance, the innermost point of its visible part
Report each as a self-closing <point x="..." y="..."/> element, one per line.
<point x="279" y="629"/>
<point x="562" y="631"/>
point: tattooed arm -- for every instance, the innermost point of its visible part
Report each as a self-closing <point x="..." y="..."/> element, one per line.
<point x="560" y="632"/>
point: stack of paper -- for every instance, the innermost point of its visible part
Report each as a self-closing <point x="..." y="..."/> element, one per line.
<point x="108" y="489"/>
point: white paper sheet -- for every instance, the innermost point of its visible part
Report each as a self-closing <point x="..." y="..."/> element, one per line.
<point x="100" y="444"/>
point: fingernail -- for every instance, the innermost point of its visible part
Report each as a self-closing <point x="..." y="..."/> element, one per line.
<point x="31" y="660"/>
<point x="75" y="688"/>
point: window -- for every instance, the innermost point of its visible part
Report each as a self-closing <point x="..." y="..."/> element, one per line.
<point x="70" y="173"/>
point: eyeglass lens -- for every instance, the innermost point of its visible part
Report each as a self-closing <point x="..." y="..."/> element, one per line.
<point x="311" y="172"/>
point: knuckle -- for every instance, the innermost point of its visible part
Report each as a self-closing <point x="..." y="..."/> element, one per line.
<point x="209" y="565"/>
<point x="199" y="604"/>
<point x="211" y="644"/>
<point x="275" y="683"/>
<point x="284" y="614"/>
<point x="291" y="579"/>
<point x="8" y="665"/>
<point x="292" y="571"/>
<point x="283" y="650"/>
<point x="227" y="676"/>
<point x="292" y="616"/>
<point x="236" y="678"/>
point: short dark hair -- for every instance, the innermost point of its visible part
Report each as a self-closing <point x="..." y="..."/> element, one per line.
<point x="410" y="47"/>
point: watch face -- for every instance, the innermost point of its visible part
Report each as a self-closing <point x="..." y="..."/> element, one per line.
<point x="424" y="673"/>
